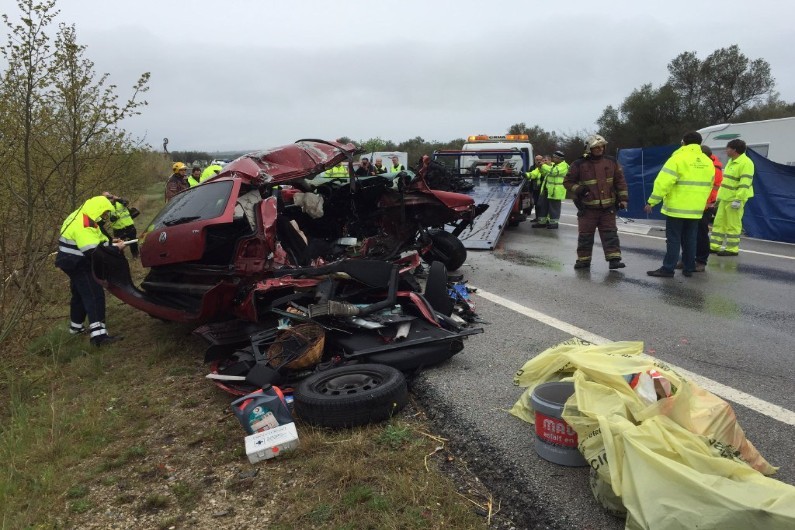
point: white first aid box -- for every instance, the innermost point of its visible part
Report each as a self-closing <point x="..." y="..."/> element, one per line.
<point x="273" y="442"/>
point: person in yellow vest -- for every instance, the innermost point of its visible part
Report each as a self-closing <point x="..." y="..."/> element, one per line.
<point x="195" y="176"/>
<point x="552" y="192"/>
<point x="121" y="219"/>
<point x="397" y="167"/>
<point x="534" y="176"/>
<point x="683" y="185"/>
<point x="379" y="167"/>
<point x="735" y="190"/>
<point x="81" y="234"/>
<point x="337" y="172"/>
<point x="210" y="171"/>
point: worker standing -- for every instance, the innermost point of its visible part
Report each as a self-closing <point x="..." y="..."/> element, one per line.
<point x="379" y="167"/>
<point x="735" y="190"/>
<point x="340" y="171"/>
<point x="683" y="185"/>
<point x="534" y="178"/>
<point x="178" y="181"/>
<point x="210" y="171"/>
<point x="702" y="237"/>
<point x="81" y="234"/>
<point x="195" y="176"/>
<point x="121" y="218"/>
<point x="599" y="188"/>
<point x="552" y="193"/>
<point x="397" y="167"/>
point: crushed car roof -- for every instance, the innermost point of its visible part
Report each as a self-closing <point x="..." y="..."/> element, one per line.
<point x="304" y="158"/>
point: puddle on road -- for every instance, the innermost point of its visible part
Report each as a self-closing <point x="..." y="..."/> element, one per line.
<point x="522" y="258"/>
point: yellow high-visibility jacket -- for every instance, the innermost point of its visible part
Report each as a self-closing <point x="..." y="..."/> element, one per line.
<point x="738" y="180"/>
<point x="684" y="183"/>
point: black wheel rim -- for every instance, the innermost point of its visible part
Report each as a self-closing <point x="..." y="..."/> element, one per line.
<point x="347" y="384"/>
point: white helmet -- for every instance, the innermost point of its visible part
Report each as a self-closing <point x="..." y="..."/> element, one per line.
<point x="594" y="140"/>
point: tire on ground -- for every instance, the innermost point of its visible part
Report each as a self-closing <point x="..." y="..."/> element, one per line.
<point x="446" y="248"/>
<point x="352" y="395"/>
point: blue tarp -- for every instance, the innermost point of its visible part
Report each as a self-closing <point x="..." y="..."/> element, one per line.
<point x="770" y="214"/>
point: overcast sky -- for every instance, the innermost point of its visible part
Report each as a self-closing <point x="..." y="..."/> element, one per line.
<point x="249" y="74"/>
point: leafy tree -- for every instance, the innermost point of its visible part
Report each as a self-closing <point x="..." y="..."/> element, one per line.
<point x="60" y="143"/>
<point x="698" y="93"/>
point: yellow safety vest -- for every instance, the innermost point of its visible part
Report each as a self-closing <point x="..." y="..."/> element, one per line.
<point x="738" y="180"/>
<point x="684" y="183"/>
<point x="123" y="217"/>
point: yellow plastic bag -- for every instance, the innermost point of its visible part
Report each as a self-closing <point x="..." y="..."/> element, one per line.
<point x="606" y="411"/>
<point x="674" y="480"/>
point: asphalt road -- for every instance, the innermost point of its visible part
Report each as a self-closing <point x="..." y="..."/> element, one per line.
<point x="732" y="324"/>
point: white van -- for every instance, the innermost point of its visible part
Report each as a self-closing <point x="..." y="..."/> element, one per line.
<point x="774" y="139"/>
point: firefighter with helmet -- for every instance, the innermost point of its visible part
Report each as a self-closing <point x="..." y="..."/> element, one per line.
<point x="178" y="181"/>
<point x="599" y="188"/>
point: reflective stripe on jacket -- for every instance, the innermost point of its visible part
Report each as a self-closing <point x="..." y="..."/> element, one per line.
<point x="684" y="183"/>
<point x="603" y="177"/>
<point x="554" y="181"/>
<point x="81" y="233"/>
<point x="738" y="180"/>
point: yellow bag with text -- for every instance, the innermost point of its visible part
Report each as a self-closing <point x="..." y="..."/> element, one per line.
<point x="605" y="409"/>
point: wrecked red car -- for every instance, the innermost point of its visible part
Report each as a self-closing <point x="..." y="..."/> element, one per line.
<point x="261" y="243"/>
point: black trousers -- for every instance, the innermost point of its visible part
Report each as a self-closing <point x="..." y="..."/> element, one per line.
<point x="702" y="236"/>
<point x="88" y="297"/>
<point x="126" y="233"/>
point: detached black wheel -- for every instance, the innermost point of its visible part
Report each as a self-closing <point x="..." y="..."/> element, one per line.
<point x="353" y="395"/>
<point x="446" y="248"/>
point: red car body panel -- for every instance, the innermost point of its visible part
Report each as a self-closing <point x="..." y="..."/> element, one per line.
<point x="186" y="284"/>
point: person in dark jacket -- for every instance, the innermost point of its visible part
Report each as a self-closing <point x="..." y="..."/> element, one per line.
<point x="178" y="181"/>
<point x="365" y="168"/>
<point x="598" y="185"/>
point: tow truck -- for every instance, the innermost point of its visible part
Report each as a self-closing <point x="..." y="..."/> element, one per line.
<point x="496" y="167"/>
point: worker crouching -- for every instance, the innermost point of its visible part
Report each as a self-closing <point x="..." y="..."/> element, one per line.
<point x="81" y="235"/>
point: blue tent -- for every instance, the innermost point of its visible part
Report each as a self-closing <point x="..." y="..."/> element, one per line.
<point x="770" y="214"/>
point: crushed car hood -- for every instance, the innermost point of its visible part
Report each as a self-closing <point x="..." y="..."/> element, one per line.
<point x="304" y="158"/>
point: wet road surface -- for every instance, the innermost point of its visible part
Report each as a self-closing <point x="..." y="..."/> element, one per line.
<point x="732" y="324"/>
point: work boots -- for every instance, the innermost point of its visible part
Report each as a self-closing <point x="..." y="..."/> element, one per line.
<point x="102" y="340"/>
<point x="617" y="264"/>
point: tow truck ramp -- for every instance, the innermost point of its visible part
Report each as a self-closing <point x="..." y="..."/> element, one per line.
<point x="500" y="195"/>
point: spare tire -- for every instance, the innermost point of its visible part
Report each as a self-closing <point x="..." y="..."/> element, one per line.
<point x="446" y="248"/>
<point x="351" y="395"/>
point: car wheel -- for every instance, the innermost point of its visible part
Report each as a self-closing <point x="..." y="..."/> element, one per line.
<point x="351" y="395"/>
<point x="446" y="248"/>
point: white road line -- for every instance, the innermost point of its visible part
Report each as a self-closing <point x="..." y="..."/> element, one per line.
<point x="770" y="410"/>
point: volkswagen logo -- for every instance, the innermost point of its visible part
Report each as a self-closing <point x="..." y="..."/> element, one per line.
<point x="162" y="237"/>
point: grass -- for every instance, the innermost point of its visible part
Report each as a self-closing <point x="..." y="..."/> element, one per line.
<point x="134" y="429"/>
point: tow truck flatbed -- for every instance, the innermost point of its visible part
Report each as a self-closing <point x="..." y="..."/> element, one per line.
<point x="500" y="185"/>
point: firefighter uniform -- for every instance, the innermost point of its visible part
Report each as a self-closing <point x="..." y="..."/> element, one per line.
<point x="735" y="190"/>
<point x="598" y="185"/>
<point x="80" y="235"/>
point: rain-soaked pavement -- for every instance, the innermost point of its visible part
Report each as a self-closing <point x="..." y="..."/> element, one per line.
<point x="732" y="324"/>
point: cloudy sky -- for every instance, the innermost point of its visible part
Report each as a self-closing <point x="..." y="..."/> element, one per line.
<point x="248" y="74"/>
